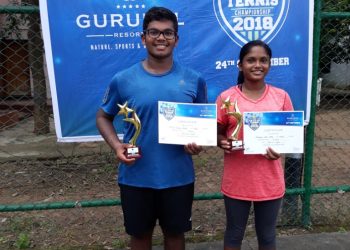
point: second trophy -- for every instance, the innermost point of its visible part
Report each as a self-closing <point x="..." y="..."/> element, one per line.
<point x="233" y="111"/>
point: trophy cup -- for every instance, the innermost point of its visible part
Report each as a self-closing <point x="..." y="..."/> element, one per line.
<point x="134" y="151"/>
<point x="229" y="106"/>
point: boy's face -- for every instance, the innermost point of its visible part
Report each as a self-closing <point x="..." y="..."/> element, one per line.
<point x="160" y="47"/>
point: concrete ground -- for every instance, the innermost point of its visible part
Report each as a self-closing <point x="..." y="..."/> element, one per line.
<point x="321" y="241"/>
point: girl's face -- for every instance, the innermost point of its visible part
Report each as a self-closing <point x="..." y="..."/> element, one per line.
<point x="255" y="64"/>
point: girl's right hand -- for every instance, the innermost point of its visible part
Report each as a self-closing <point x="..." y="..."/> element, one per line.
<point x="225" y="145"/>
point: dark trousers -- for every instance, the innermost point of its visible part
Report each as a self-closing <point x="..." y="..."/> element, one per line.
<point x="265" y="215"/>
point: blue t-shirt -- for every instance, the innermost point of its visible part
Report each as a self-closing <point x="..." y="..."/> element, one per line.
<point x="161" y="165"/>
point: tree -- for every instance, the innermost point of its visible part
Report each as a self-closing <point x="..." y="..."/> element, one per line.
<point x="335" y="35"/>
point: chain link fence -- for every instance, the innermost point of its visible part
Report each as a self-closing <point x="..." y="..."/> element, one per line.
<point x="23" y="85"/>
<point x="332" y="135"/>
<point x="82" y="176"/>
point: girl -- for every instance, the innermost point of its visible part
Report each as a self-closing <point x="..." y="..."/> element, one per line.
<point x="251" y="179"/>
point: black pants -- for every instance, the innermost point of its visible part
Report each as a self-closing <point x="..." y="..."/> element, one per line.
<point x="142" y="207"/>
<point x="237" y="213"/>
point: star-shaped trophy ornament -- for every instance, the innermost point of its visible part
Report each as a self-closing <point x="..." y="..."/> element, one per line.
<point x="231" y="109"/>
<point x="132" y="117"/>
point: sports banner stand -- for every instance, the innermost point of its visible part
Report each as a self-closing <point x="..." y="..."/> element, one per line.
<point x="87" y="42"/>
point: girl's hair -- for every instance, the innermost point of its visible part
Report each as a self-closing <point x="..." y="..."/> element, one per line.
<point x="246" y="49"/>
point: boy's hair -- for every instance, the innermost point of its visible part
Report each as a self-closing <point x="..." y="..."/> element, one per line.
<point x="160" y="14"/>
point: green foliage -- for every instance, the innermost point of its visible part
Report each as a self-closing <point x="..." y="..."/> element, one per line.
<point x="21" y="227"/>
<point x="200" y="161"/>
<point x="342" y="230"/>
<point x="120" y="244"/>
<point x="109" y="168"/>
<point x="18" y="225"/>
<point x="22" y="241"/>
<point x="336" y="5"/>
<point x="335" y="35"/>
<point x="3" y="240"/>
<point x="13" y="24"/>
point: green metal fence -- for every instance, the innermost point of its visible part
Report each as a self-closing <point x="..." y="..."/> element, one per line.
<point x="72" y="187"/>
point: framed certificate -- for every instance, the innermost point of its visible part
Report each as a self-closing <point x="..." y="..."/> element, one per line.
<point x="282" y="131"/>
<point x="183" y="123"/>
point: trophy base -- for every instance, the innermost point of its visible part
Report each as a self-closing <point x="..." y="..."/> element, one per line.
<point x="133" y="152"/>
<point x="236" y="145"/>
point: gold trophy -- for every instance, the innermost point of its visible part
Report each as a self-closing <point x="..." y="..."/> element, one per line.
<point x="134" y="151"/>
<point x="232" y="110"/>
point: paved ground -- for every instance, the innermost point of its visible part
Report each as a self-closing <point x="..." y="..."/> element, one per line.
<point x="20" y="142"/>
<point x="322" y="241"/>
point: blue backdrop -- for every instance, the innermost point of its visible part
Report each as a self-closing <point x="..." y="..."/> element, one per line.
<point x="87" y="42"/>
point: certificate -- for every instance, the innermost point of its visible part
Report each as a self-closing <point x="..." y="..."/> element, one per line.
<point x="183" y="123"/>
<point x="282" y="131"/>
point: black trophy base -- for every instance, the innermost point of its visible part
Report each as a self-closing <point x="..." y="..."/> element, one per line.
<point x="133" y="152"/>
<point x="236" y="145"/>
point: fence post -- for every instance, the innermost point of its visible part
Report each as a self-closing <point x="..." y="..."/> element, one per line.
<point x="36" y="61"/>
<point x="310" y="134"/>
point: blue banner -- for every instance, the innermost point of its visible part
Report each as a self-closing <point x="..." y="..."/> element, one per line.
<point x="87" y="42"/>
<point x="188" y="110"/>
<point x="290" y="118"/>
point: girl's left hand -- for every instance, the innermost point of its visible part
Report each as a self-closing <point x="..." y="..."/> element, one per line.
<point x="271" y="154"/>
